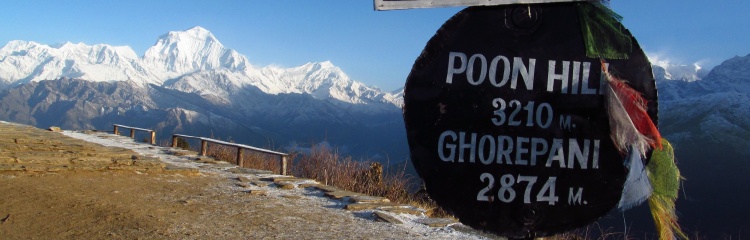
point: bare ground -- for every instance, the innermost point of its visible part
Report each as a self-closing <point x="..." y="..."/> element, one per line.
<point x="130" y="205"/>
<point x="124" y="200"/>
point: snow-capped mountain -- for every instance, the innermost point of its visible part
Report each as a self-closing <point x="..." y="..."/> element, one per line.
<point x="22" y="62"/>
<point x="666" y="70"/>
<point x="187" y="60"/>
<point x="716" y="108"/>
<point x="708" y="122"/>
<point x="196" y="49"/>
<point x="188" y="82"/>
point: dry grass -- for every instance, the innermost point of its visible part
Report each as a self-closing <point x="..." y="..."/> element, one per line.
<point x="249" y="159"/>
<point x="331" y="168"/>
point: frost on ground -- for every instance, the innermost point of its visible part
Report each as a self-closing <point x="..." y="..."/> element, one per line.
<point x="231" y="209"/>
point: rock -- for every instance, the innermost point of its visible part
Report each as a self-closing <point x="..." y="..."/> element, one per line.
<point x="326" y="188"/>
<point x="240" y="170"/>
<point x="405" y="210"/>
<point x="259" y="183"/>
<point x="436" y="222"/>
<point x="384" y="217"/>
<point x="362" y="206"/>
<point x="289" y="179"/>
<point x="279" y="179"/>
<point x="373" y="206"/>
<point x="242" y="184"/>
<point x="341" y="194"/>
<point x="205" y="159"/>
<point x="258" y="192"/>
<point x="368" y="199"/>
<point x="134" y="157"/>
<point x="55" y="129"/>
<point x="285" y="185"/>
<point x="307" y="185"/>
<point x="244" y="179"/>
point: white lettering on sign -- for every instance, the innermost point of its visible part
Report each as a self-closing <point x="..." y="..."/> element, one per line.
<point x="536" y="115"/>
<point x="572" y="77"/>
<point x="476" y="70"/>
<point x="575" y="82"/>
<point x="508" y="185"/>
<point x="571" y="153"/>
<point x="516" y="73"/>
<point x="574" y="198"/>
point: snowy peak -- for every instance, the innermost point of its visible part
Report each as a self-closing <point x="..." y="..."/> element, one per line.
<point x="667" y="69"/>
<point x="731" y="76"/>
<point x="189" y="61"/>
<point x="688" y="73"/>
<point x="181" y="52"/>
<point x="23" y="62"/>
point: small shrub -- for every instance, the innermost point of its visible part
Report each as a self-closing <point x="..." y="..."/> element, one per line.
<point x="181" y="143"/>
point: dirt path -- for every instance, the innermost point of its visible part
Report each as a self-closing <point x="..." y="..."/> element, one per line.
<point x="109" y="200"/>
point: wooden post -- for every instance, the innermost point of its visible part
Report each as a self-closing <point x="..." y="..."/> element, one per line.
<point x="116" y="132"/>
<point x="204" y="145"/>
<point x="174" y="141"/>
<point x="132" y="133"/>
<point x="239" y="156"/>
<point x="153" y="138"/>
<point x="283" y="164"/>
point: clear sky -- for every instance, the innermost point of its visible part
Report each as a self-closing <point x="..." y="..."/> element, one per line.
<point x="377" y="48"/>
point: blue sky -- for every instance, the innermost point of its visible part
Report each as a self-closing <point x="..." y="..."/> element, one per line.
<point x="377" y="48"/>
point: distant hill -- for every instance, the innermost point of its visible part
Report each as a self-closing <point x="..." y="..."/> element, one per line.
<point x="708" y="121"/>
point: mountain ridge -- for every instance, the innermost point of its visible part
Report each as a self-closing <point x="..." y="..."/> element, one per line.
<point x="194" y="53"/>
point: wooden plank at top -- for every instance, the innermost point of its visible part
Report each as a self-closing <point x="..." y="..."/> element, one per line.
<point x="203" y="139"/>
<point x="407" y="4"/>
<point x="243" y="146"/>
<point x="135" y="128"/>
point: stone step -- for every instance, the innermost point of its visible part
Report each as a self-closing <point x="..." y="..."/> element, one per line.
<point x="368" y="199"/>
<point x="286" y="185"/>
<point x="384" y="217"/>
<point x="239" y="170"/>
<point x="436" y="222"/>
<point x="338" y="195"/>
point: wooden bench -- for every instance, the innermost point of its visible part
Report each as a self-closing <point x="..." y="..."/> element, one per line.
<point x="133" y="129"/>
<point x="240" y="149"/>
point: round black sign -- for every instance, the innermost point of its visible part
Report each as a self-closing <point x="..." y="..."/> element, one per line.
<point x="506" y="121"/>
